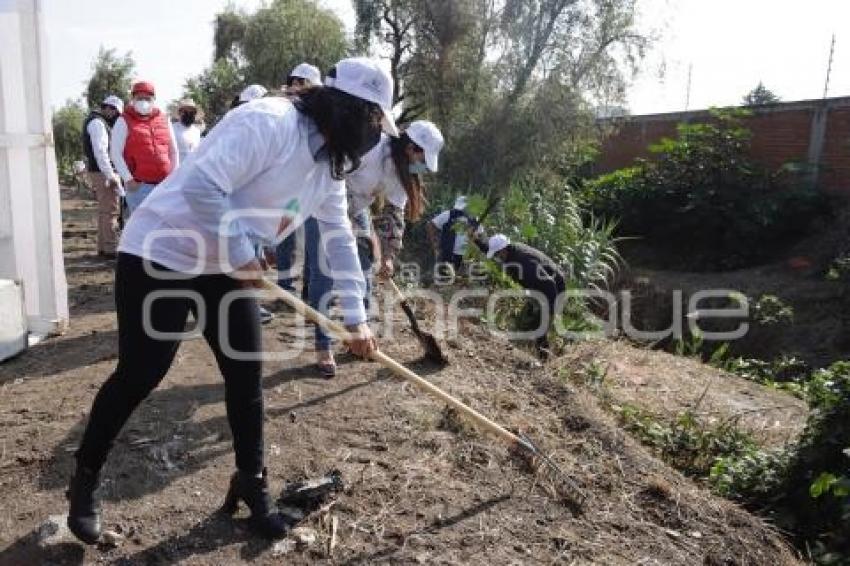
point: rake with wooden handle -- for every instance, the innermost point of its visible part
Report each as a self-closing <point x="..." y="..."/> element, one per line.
<point x="520" y="443"/>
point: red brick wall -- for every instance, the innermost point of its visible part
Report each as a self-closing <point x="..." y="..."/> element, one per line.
<point x="780" y="134"/>
<point x="835" y="171"/>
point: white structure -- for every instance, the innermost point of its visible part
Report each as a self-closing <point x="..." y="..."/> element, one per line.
<point x="30" y="224"/>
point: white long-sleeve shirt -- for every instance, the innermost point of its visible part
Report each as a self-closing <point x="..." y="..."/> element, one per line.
<point x="376" y="175"/>
<point x="119" y="140"/>
<point x="256" y="177"/>
<point x="188" y="139"/>
<point x="99" y="137"/>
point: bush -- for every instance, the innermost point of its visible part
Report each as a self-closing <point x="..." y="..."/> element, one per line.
<point x="686" y="443"/>
<point x="807" y="487"/>
<point x="545" y="213"/>
<point x="702" y="198"/>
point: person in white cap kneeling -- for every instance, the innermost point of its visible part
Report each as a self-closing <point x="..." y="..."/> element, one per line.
<point x="533" y="270"/>
<point x="189" y="247"/>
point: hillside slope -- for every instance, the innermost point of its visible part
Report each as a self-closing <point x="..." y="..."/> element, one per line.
<point x="420" y="486"/>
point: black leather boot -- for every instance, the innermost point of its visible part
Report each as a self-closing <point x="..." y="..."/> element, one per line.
<point x="84" y="513"/>
<point x="254" y="491"/>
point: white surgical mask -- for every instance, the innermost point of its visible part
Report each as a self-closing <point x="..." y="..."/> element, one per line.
<point x="143" y="107"/>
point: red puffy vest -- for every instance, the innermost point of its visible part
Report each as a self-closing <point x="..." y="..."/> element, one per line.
<point x="146" y="150"/>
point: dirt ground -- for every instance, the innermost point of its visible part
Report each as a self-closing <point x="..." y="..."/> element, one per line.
<point x="420" y="487"/>
<point x="819" y="331"/>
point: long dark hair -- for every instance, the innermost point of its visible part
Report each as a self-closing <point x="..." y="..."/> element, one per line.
<point x="350" y="125"/>
<point x="412" y="183"/>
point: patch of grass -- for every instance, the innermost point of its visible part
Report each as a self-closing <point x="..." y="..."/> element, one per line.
<point x="685" y="442"/>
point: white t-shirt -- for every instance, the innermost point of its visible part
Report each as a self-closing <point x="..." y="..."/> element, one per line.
<point x="187" y="137"/>
<point x="255" y="178"/>
<point x="460" y="238"/>
<point x="376" y="175"/>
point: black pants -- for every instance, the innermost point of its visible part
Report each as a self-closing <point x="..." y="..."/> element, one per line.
<point x="144" y="360"/>
<point x="531" y="316"/>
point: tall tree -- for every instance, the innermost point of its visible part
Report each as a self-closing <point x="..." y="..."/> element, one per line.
<point x="263" y="47"/>
<point x="111" y="74"/>
<point x="214" y="88"/>
<point x="760" y="95"/>
<point x="500" y="75"/>
<point x="288" y="32"/>
<point x="229" y="31"/>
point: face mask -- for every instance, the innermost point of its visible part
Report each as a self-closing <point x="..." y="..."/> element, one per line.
<point x="143" y="107"/>
<point x="187" y="118"/>
<point x="418" y="168"/>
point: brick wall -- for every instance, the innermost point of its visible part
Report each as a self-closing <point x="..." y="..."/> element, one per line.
<point x="810" y="131"/>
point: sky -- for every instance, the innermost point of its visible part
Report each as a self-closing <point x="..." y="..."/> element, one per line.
<point x="729" y="45"/>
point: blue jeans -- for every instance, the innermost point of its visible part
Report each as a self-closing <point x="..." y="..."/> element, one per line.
<point x="318" y="281"/>
<point x="284" y="255"/>
<point x="361" y="223"/>
<point x="135" y="198"/>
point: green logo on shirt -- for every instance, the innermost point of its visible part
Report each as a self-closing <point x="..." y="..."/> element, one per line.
<point x="292" y="208"/>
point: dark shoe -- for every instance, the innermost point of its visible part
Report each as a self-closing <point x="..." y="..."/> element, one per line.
<point x="327" y="369"/>
<point x="84" y="513"/>
<point x="326" y="364"/>
<point x="255" y="493"/>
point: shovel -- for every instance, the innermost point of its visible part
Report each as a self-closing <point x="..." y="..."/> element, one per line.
<point x="433" y="352"/>
<point x="521" y="444"/>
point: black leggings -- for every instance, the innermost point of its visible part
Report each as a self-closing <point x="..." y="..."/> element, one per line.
<point x="144" y="360"/>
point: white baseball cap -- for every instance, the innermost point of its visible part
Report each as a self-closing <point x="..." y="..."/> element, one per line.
<point x="427" y="136"/>
<point x="252" y="92"/>
<point x="114" y="102"/>
<point x="497" y="243"/>
<point x="365" y="78"/>
<point x="308" y="72"/>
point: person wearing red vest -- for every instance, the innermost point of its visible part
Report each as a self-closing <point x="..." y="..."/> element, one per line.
<point x="143" y="147"/>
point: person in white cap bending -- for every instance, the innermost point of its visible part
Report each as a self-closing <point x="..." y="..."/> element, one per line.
<point x="393" y="171"/>
<point x="101" y="174"/>
<point x="533" y="270"/>
<point x="447" y="233"/>
<point x="189" y="247"/>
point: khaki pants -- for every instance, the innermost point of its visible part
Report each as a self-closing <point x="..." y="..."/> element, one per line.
<point x="108" y="208"/>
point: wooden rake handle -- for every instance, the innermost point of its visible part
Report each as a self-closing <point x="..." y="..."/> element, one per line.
<point x="394" y="287"/>
<point x="341" y="333"/>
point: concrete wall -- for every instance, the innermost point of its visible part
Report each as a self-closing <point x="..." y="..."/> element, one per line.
<point x="810" y="131"/>
<point x="30" y="224"/>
